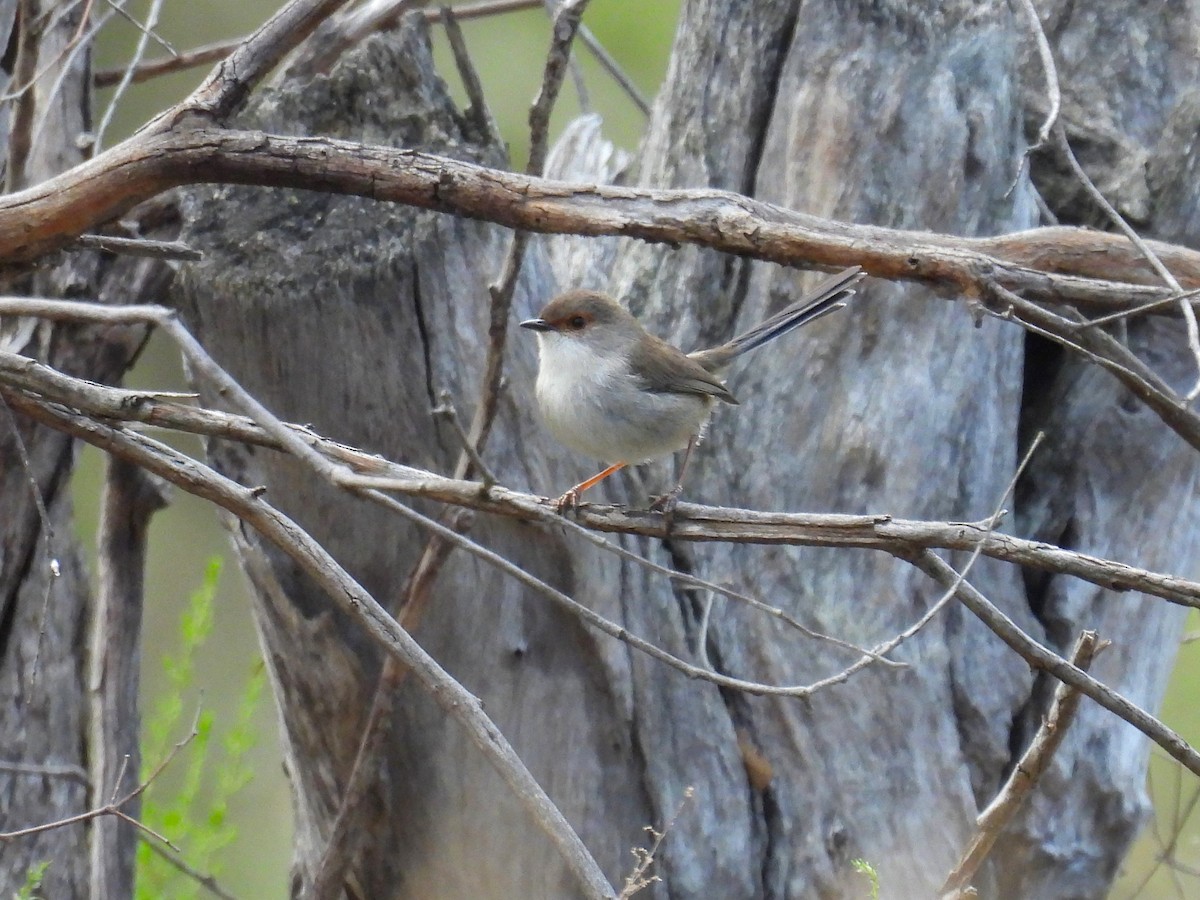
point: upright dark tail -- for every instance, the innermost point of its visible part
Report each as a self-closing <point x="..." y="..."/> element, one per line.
<point x="829" y="296"/>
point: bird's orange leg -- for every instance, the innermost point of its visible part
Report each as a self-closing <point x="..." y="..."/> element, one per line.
<point x="570" y="499"/>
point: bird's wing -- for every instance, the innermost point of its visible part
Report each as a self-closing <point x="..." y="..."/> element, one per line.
<point x="670" y="371"/>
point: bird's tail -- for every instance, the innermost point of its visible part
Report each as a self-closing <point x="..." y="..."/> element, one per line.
<point x="829" y="296"/>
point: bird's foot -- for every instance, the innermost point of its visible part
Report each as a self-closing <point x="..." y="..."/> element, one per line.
<point x="568" y="502"/>
<point x="666" y="503"/>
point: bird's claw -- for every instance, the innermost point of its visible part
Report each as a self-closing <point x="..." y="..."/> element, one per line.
<point x="568" y="502"/>
<point x="665" y="503"/>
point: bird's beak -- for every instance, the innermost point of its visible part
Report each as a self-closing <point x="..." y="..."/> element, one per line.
<point x="537" y="325"/>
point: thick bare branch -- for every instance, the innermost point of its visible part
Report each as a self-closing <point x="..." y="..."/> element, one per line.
<point x="1064" y="265"/>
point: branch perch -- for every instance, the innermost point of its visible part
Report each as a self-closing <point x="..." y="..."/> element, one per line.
<point x="692" y="521"/>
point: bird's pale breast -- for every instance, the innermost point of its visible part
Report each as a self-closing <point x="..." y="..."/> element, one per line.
<point x="594" y="406"/>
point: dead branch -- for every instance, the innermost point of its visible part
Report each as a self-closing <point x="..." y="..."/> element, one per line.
<point x="1025" y="774"/>
<point x="115" y="805"/>
<point x="692" y="521"/>
<point x="1058" y="265"/>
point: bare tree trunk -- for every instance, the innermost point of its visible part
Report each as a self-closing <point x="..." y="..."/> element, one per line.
<point x="41" y="614"/>
<point x="59" y="756"/>
<point x="356" y="317"/>
<point x="906" y="117"/>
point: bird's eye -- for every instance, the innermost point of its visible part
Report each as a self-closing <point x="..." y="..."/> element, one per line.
<point x="577" y="322"/>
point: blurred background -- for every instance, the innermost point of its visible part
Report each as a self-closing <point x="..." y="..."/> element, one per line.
<point x="239" y="760"/>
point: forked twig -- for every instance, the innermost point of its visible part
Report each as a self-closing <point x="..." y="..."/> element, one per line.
<point x="1024" y="775"/>
<point x="113" y="807"/>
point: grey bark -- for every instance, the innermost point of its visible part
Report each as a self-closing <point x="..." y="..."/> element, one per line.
<point x="1112" y="478"/>
<point x="353" y="317"/>
<point x="901" y="115"/>
<point x="43" y="617"/>
<point x="131" y="497"/>
<point x="40" y="615"/>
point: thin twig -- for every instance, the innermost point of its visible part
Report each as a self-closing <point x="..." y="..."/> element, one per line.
<point x="113" y="807"/>
<point x="478" y="108"/>
<point x="1189" y="315"/>
<point x="168" y="250"/>
<point x="588" y="616"/>
<point x="1168" y="847"/>
<point x="1024" y="775"/>
<point x="640" y="878"/>
<point x="1139" y="310"/>
<point x="146" y="28"/>
<point x="126" y="79"/>
<point x="446" y="410"/>
<point x="989" y="525"/>
<point x="690" y="580"/>
<point x="1049" y="72"/>
<point x="1054" y="93"/>
<point x="215" y="52"/>
<point x="167" y="65"/>
<point x="610" y="65"/>
<point x="385" y="17"/>
<point x="1110" y="354"/>
<point x="205" y="880"/>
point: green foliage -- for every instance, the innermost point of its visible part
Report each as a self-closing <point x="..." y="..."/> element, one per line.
<point x="864" y="868"/>
<point x="33" y="881"/>
<point x="192" y="810"/>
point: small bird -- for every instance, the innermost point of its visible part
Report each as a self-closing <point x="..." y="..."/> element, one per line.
<point x="608" y="389"/>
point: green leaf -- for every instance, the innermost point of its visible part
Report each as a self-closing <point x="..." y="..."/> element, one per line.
<point x="33" y="881"/>
<point x="195" y="814"/>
